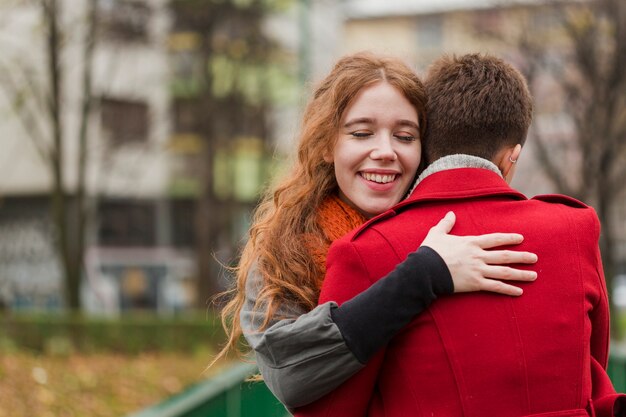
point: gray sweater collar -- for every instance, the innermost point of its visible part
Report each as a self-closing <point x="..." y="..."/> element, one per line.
<point x="456" y="161"/>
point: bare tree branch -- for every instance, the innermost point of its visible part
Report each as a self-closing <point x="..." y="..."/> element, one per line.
<point x="617" y="179"/>
<point x="617" y="10"/>
<point x="549" y="164"/>
<point x="582" y="28"/>
<point x="29" y="118"/>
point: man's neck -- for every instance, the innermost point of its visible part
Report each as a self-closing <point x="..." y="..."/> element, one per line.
<point x="456" y="161"/>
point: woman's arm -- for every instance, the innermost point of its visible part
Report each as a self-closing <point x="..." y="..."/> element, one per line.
<point x="303" y="356"/>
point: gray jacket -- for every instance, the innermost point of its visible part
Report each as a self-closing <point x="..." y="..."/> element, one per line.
<point x="303" y="356"/>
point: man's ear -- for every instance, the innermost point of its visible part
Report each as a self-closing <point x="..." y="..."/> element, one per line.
<point x="508" y="160"/>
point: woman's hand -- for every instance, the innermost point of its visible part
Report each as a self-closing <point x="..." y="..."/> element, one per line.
<point x="472" y="267"/>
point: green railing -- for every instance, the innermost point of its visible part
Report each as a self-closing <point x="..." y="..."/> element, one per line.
<point x="617" y="367"/>
<point x="229" y="395"/>
<point x="225" y="395"/>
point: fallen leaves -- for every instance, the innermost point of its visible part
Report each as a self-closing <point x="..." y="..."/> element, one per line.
<point x="98" y="385"/>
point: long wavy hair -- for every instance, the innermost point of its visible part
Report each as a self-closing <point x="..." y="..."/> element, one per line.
<point x="287" y="212"/>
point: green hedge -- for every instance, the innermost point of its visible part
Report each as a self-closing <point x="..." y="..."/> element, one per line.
<point x="127" y="334"/>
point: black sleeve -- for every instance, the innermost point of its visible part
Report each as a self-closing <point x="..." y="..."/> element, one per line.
<point x="369" y="320"/>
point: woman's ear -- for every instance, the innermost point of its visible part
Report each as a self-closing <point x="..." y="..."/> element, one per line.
<point x="328" y="157"/>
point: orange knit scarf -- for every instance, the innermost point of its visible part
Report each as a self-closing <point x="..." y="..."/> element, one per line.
<point x="336" y="218"/>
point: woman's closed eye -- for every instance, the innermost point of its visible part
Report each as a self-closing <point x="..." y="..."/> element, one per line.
<point x="361" y="134"/>
<point x="405" y="137"/>
<point x="401" y="136"/>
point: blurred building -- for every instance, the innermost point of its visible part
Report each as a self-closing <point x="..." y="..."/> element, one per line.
<point x="176" y="160"/>
<point x="128" y="165"/>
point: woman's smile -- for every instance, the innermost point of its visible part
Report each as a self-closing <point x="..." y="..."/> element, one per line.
<point x="378" y="178"/>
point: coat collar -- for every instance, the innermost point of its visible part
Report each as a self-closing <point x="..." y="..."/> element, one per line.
<point x="461" y="183"/>
<point x="456" y="161"/>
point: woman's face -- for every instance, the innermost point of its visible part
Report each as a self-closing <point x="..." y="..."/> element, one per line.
<point x="378" y="149"/>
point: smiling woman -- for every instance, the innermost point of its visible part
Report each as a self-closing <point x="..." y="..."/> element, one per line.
<point x="358" y="153"/>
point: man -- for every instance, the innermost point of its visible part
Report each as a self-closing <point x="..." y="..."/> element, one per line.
<point x="482" y="354"/>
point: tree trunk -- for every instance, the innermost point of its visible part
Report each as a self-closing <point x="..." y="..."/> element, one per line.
<point x="207" y="210"/>
<point x="70" y="216"/>
<point x="55" y="111"/>
<point x="207" y="219"/>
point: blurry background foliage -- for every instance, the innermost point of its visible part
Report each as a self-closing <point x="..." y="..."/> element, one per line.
<point x="63" y="336"/>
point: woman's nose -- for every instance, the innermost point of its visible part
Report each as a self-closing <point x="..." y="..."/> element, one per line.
<point x="383" y="149"/>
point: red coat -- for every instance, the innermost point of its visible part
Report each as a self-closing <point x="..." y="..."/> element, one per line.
<point x="482" y="354"/>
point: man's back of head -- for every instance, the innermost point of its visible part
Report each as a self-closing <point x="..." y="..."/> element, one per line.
<point x="478" y="104"/>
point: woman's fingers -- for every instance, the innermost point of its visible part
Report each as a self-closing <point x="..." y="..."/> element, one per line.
<point x="493" y="240"/>
<point x="500" y="287"/>
<point x="475" y="269"/>
<point x="501" y="257"/>
<point x="490" y="278"/>
<point x="508" y="273"/>
<point x="445" y="224"/>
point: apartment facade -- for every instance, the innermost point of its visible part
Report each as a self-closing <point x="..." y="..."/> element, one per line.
<point x="130" y="260"/>
<point x="172" y="173"/>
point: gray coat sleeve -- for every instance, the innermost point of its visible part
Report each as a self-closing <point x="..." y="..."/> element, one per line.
<point x="303" y="356"/>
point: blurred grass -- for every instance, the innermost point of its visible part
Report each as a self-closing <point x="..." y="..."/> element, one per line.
<point x="69" y="366"/>
<point x="98" y="385"/>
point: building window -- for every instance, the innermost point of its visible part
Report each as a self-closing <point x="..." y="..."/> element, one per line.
<point x="186" y="64"/>
<point x="186" y="116"/>
<point x="124" y="20"/>
<point x="190" y="16"/>
<point x="124" y="121"/>
<point x="183" y="218"/>
<point x="127" y="223"/>
<point x="139" y="286"/>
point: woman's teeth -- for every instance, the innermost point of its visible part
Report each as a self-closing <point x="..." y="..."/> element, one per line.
<point x="381" y="179"/>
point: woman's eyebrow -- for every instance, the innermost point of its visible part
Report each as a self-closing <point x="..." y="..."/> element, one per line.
<point x="368" y="120"/>
<point x="357" y="121"/>
<point x="409" y="123"/>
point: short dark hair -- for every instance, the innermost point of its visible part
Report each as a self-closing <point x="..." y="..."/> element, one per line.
<point x="477" y="104"/>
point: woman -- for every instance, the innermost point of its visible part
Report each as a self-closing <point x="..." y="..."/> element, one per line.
<point x="358" y="154"/>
